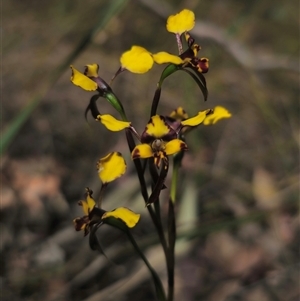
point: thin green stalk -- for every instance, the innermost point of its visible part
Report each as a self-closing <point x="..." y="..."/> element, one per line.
<point x="171" y="249"/>
<point x="158" y="285"/>
<point x="159" y="226"/>
<point x="174" y="180"/>
<point x="160" y="230"/>
<point x="177" y="158"/>
<point x="172" y="225"/>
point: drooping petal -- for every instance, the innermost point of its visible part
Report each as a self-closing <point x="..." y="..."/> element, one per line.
<point x="142" y="151"/>
<point x="181" y="22"/>
<point x="218" y="114"/>
<point x="129" y="217"/>
<point x="137" y="60"/>
<point x="91" y="70"/>
<point x="174" y="146"/>
<point x="196" y="120"/>
<point x="81" y="223"/>
<point x="113" y="124"/>
<point x="200" y="65"/>
<point x="111" y="167"/>
<point x="165" y="57"/>
<point x="82" y="81"/>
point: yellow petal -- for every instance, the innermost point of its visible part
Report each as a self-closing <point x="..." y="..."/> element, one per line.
<point x="179" y="114"/>
<point x="82" y="81"/>
<point x="181" y="22"/>
<point x="113" y="124"/>
<point x="111" y="167"/>
<point x="129" y="217"/>
<point x="174" y="146"/>
<point x="165" y="57"/>
<point x="89" y="203"/>
<point x="196" y="120"/>
<point x="91" y="70"/>
<point x="218" y="114"/>
<point x="157" y="127"/>
<point x="142" y="151"/>
<point x="85" y="207"/>
<point x="137" y="60"/>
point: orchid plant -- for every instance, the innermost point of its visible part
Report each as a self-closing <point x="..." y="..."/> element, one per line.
<point x="162" y="141"/>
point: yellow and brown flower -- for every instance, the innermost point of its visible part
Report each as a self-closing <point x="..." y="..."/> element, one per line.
<point x="94" y="216"/>
<point x="89" y="80"/>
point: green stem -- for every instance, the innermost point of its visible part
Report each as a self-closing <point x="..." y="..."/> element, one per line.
<point x="174" y="183"/>
<point x="172" y="225"/>
<point x="176" y="165"/>
<point x="158" y="285"/>
<point x="160" y="230"/>
<point x="171" y="249"/>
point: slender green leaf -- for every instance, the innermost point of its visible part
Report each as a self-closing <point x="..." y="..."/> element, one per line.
<point x="16" y="124"/>
<point x="117" y="223"/>
<point x="157" y="282"/>
<point x="116" y="103"/>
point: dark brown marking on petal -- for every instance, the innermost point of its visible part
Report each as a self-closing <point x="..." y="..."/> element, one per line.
<point x="170" y="135"/>
<point x="189" y="39"/>
<point x="135" y="154"/>
<point x="183" y="146"/>
<point x="209" y="112"/>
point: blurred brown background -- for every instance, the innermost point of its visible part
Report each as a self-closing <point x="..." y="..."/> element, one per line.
<point x="238" y="219"/>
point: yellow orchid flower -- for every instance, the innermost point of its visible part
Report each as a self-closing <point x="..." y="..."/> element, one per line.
<point x="95" y="216"/>
<point x="158" y="140"/>
<point x="89" y="80"/>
